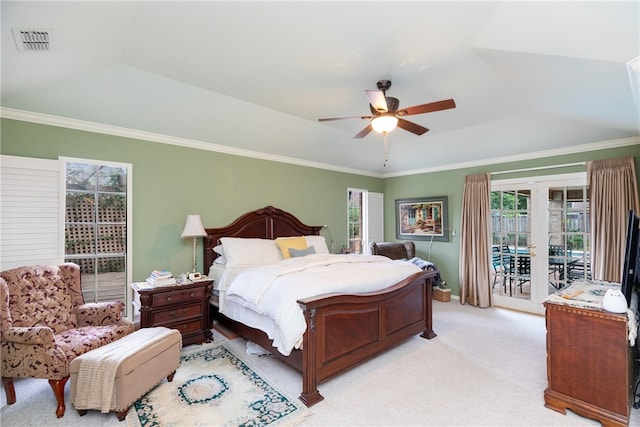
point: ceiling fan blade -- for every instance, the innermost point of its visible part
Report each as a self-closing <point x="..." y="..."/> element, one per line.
<point x="377" y="100"/>
<point x="411" y="127"/>
<point x="428" y="108"/>
<point x="344" y="118"/>
<point x="364" y="132"/>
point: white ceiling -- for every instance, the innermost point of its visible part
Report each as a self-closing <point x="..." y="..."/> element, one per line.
<point x="527" y="77"/>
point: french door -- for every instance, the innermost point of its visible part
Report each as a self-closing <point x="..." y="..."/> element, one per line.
<point x="540" y="238"/>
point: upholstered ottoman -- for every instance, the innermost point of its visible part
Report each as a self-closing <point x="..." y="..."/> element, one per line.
<point x="113" y="377"/>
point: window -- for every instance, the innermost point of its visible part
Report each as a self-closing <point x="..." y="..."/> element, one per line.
<point x="354" y="221"/>
<point x="365" y="219"/>
<point x="97" y="231"/>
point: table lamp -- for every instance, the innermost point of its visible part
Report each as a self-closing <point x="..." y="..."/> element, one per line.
<point x="193" y="228"/>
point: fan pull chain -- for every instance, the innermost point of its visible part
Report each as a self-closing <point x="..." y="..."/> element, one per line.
<point x="386" y="150"/>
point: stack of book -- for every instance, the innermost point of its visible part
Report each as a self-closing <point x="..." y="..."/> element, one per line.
<point x="161" y="278"/>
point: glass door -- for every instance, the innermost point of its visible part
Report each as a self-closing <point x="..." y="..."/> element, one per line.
<point x="540" y="240"/>
<point x="569" y="257"/>
<point x="514" y="243"/>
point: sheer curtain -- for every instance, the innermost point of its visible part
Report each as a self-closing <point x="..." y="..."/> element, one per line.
<point x="613" y="191"/>
<point x="475" y="242"/>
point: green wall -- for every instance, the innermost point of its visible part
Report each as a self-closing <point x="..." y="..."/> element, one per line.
<point x="450" y="183"/>
<point x="171" y="182"/>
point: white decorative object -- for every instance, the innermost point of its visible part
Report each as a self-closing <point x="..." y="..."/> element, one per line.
<point x="614" y="301"/>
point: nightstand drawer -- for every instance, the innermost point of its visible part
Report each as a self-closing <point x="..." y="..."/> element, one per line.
<point x="178" y="296"/>
<point x="175" y="314"/>
<point x="183" y="307"/>
<point x="188" y="327"/>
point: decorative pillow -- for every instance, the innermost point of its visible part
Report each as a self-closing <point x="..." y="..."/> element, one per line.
<point x="239" y="251"/>
<point x="286" y="243"/>
<point x="301" y="252"/>
<point x="319" y="243"/>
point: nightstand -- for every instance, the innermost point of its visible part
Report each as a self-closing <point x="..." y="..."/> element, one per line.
<point x="182" y="307"/>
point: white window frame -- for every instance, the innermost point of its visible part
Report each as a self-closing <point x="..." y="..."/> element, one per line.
<point x="129" y="233"/>
<point x="371" y="218"/>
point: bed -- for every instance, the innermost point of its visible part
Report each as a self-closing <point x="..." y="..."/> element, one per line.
<point x="341" y="329"/>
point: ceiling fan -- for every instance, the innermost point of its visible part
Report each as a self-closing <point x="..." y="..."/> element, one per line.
<point x="386" y="115"/>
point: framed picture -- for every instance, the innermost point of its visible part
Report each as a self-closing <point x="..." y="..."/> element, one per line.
<point x="423" y="218"/>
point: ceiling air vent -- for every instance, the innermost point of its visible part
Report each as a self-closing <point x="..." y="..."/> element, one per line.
<point x="33" y="40"/>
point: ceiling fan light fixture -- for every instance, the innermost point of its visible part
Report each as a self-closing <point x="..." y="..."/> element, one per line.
<point x="384" y="124"/>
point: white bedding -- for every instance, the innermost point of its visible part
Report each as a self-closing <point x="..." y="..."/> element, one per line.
<point x="273" y="290"/>
<point x="222" y="277"/>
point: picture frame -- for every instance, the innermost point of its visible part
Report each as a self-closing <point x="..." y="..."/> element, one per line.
<point x="423" y="218"/>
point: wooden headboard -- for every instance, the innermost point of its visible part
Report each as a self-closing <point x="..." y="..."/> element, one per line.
<point x="265" y="223"/>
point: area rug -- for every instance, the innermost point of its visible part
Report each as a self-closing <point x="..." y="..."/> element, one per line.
<point x="215" y="387"/>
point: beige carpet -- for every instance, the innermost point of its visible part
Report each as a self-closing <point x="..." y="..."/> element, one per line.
<point x="487" y="367"/>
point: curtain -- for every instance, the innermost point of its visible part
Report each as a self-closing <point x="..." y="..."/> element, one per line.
<point x="475" y="242"/>
<point x="613" y="191"/>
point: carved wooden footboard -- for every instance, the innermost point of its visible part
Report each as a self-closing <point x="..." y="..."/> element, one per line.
<point x="343" y="330"/>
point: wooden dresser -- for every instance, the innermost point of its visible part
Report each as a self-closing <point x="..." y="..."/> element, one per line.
<point x="181" y="307"/>
<point x="590" y="366"/>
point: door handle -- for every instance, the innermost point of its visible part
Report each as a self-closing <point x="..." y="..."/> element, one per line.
<point x="532" y="246"/>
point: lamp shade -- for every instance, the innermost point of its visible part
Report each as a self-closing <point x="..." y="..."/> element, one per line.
<point x="384" y="124"/>
<point x="193" y="227"/>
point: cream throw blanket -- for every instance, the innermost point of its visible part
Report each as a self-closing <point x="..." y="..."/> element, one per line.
<point x="95" y="385"/>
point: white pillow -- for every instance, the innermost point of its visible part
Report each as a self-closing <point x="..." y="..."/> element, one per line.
<point x="239" y="251"/>
<point x="220" y="259"/>
<point x="318" y="242"/>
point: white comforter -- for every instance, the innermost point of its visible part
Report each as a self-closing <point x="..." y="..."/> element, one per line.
<point x="273" y="290"/>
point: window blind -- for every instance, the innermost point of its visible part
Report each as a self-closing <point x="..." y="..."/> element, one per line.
<point x="29" y="212"/>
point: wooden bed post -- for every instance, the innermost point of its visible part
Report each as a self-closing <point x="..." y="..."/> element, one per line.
<point x="310" y="394"/>
<point x="428" y="294"/>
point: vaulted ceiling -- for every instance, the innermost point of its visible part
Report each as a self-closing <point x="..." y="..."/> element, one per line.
<point x="255" y="77"/>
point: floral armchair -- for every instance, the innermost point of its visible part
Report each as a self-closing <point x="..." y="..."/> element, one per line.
<point x="45" y="324"/>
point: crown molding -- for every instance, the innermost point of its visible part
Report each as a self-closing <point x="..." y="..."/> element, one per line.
<point x="603" y="145"/>
<point x="63" y="122"/>
<point x="47" y="119"/>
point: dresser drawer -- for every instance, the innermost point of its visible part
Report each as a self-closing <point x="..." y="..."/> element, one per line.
<point x="176" y="297"/>
<point x="175" y="314"/>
